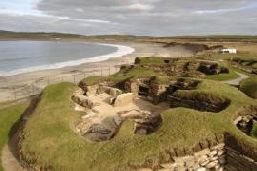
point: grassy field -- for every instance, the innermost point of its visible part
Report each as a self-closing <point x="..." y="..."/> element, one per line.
<point x="9" y="114"/>
<point x="50" y="142"/>
<point x="249" y="86"/>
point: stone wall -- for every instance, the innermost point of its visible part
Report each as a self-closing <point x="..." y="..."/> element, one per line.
<point x="240" y="155"/>
<point x="208" y="159"/>
<point x="201" y="102"/>
<point x="83" y="101"/>
<point x="220" y="157"/>
<point x="114" y="92"/>
<point x="223" y="152"/>
<point x="236" y="161"/>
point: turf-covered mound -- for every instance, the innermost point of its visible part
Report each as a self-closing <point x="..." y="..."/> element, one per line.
<point x="199" y="101"/>
<point x="249" y="87"/>
<point x="50" y="142"/>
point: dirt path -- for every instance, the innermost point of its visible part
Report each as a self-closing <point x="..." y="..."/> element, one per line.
<point x="9" y="162"/>
<point x="236" y="81"/>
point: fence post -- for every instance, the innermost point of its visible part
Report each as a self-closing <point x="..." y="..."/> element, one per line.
<point x="48" y="80"/>
<point x="74" y="79"/>
<point x="14" y="91"/>
<point x="33" y="91"/>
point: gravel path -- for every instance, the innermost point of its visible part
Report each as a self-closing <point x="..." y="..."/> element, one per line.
<point x="236" y="81"/>
<point x="9" y="162"/>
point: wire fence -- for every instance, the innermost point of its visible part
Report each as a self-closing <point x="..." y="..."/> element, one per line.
<point x="39" y="84"/>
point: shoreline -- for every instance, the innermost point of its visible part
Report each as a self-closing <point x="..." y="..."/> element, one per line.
<point x="27" y="84"/>
<point x="121" y="51"/>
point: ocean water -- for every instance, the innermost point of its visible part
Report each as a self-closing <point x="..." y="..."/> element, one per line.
<point x="26" y="56"/>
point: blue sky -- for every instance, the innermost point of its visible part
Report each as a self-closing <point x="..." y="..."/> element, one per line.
<point x="140" y="17"/>
<point x="24" y="7"/>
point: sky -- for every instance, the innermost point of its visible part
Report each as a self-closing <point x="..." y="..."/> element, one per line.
<point x="134" y="17"/>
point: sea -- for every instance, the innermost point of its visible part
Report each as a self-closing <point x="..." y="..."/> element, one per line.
<point x="17" y="57"/>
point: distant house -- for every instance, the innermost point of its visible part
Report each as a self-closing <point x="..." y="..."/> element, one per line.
<point x="228" y="50"/>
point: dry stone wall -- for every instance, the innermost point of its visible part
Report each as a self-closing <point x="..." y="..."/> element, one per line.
<point x="236" y="161"/>
<point x="207" y="159"/>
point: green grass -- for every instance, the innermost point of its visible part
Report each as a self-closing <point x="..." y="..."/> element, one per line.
<point x="9" y="114"/>
<point x="49" y="138"/>
<point x="223" y="77"/>
<point x="135" y="72"/>
<point x="249" y="86"/>
<point x="122" y="75"/>
<point x="92" y="80"/>
<point x="254" y="130"/>
<point x="152" y="61"/>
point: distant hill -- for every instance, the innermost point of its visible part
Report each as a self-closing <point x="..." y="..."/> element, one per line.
<point x="52" y="35"/>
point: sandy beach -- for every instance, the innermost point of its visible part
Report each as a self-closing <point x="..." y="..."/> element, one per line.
<point x="22" y="85"/>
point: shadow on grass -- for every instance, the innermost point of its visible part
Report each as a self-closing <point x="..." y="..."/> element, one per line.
<point x="15" y="133"/>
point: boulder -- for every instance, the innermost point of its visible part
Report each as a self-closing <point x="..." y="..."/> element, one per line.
<point x="98" y="132"/>
<point x="103" y="131"/>
<point x="124" y="99"/>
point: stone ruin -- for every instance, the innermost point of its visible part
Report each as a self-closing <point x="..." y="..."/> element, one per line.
<point x="246" y="117"/>
<point x="158" y="92"/>
<point x="185" y="67"/>
<point x="83" y="101"/>
<point x="224" y="152"/>
<point x="212" y="68"/>
<point x="221" y="153"/>
<point x="201" y="102"/>
<point x="97" y="127"/>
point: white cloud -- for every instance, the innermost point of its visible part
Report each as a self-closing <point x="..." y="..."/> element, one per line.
<point x="142" y="17"/>
<point x="139" y="6"/>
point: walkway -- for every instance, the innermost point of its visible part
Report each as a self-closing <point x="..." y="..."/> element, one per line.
<point x="236" y="82"/>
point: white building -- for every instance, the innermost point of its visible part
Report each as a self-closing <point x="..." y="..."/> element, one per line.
<point x="228" y="50"/>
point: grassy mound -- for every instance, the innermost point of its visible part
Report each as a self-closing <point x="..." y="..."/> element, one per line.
<point x="125" y="73"/>
<point x="249" y="86"/>
<point x="9" y="114"/>
<point x="223" y="77"/>
<point x="50" y="142"/>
